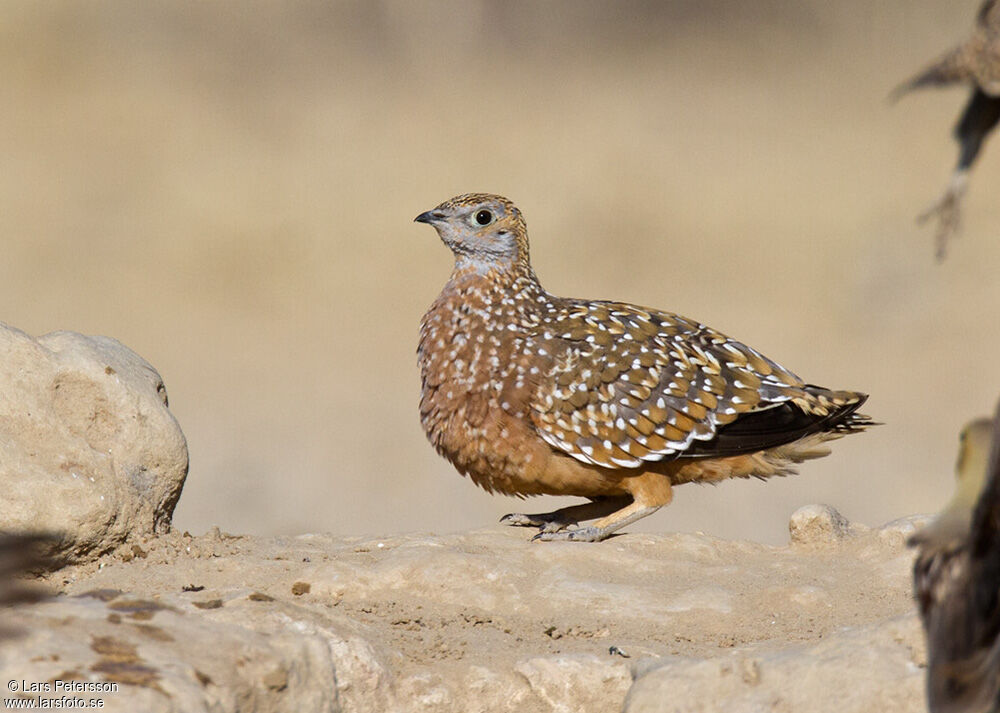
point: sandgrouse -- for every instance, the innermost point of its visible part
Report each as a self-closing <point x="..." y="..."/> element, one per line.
<point x="956" y="580"/>
<point x="528" y="393"/>
<point x="976" y="62"/>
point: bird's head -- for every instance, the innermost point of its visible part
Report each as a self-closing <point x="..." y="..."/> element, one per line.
<point x="484" y="230"/>
<point x="973" y="459"/>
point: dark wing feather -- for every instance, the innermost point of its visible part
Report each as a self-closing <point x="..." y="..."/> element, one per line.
<point x="777" y="425"/>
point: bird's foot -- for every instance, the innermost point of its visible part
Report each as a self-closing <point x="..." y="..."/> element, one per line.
<point x="947" y="212"/>
<point x="605" y="527"/>
<point x="579" y="534"/>
<point x="560" y="519"/>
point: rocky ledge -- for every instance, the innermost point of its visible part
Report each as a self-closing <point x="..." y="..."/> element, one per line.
<point x="483" y="621"/>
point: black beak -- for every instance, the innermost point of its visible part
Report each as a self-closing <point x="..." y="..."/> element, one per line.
<point x="429" y="217"/>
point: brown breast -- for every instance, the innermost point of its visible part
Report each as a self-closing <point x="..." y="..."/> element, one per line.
<point x="478" y="378"/>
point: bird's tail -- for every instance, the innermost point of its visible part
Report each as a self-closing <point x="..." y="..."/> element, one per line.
<point x="952" y="67"/>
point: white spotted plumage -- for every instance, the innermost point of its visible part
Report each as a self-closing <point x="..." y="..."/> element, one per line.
<point x="609" y="384"/>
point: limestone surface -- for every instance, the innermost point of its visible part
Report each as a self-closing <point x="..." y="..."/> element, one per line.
<point x="877" y="667"/>
<point x="486" y="621"/>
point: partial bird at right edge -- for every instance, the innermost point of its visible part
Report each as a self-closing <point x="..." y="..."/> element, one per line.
<point x="956" y="581"/>
<point x="976" y="62"/>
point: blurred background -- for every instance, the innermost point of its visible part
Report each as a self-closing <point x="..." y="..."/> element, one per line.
<point x="229" y="189"/>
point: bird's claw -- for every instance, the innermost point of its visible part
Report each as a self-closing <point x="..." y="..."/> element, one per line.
<point x="544" y="524"/>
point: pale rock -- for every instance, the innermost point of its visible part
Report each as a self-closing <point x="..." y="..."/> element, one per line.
<point x="576" y="684"/>
<point x="88" y="449"/>
<point x="166" y="659"/>
<point x="486" y="687"/>
<point x="817" y="525"/>
<point x="362" y="672"/>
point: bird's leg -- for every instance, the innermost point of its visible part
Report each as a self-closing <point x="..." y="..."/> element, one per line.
<point x="564" y="517"/>
<point x="979" y="118"/>
<point x="602" y="529"/>
<point x="650" y="492"/>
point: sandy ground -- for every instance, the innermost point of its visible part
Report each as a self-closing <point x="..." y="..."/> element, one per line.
<point x="702" y="595"/>
<point x="228" y="188"/>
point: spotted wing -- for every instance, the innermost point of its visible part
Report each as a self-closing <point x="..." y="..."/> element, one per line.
<point x="629" y="385"/>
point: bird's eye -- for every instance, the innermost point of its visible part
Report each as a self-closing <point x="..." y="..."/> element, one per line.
<point x="484" y="217"/>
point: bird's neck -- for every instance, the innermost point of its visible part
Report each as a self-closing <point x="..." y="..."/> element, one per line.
<point x="511" y="290"/>
<point x="471" y="272"/>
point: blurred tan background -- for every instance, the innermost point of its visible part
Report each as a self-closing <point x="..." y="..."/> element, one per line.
<point x="228" y="188"/>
